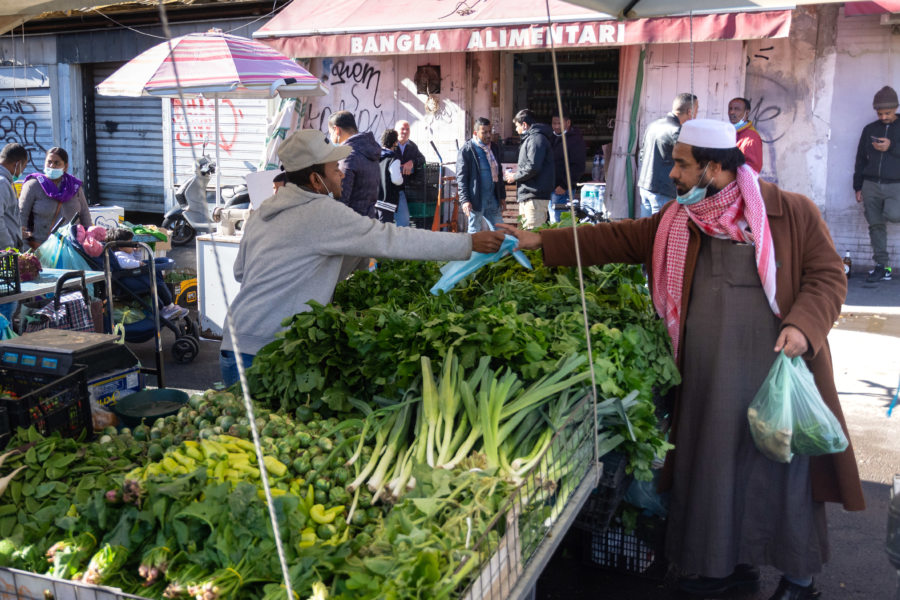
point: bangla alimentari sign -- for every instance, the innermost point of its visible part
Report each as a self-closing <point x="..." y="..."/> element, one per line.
<point x="490" y="38"/>
<point x="536" y="36"/>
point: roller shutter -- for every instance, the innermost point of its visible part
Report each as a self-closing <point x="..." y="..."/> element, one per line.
<point x="129" y="143"/>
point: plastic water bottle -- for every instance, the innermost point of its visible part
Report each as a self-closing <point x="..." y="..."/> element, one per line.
<point x="597" y="170"/>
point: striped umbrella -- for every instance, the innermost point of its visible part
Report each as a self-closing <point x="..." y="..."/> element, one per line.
<point x="212" y="65"/>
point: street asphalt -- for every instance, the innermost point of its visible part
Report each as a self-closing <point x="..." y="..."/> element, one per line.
<point x="865" y="345"/>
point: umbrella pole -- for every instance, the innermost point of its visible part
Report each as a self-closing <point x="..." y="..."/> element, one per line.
<point x="218" y="165"/>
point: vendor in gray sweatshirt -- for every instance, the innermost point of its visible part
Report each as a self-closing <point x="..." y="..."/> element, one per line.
<point x="301" y="242"/>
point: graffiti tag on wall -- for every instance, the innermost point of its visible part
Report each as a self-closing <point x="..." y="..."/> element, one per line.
<point x="356" y="87"/>
<point x="199" y="127"/>
<point x="18" y="125"/>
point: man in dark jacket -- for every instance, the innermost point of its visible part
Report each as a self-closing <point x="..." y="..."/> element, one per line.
<point x="534" y="174"/>
<point x="876" y="178"/>
<point x="411" y="161"/>
<point x="656" y="155"/>
<point x="481" y="192"/>
<point x="577" y="151"/>
<point x="359" y="189"/>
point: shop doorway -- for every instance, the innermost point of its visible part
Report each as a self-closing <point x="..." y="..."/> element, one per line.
<point x="589" y="86"/>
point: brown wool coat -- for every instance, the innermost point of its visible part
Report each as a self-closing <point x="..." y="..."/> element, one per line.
<point x="810" y="289"/>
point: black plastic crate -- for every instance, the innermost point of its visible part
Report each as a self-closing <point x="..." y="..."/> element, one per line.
<point x="639" y="552"/>
<point x="48" y="402"/>
<point x="9" y="273"/>
<point x="603" y="502"/>
<point x="422" y="185"/>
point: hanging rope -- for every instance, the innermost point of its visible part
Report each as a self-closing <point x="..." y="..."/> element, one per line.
<point x="584" y="313"/>
<point x="245" y="389"/>
<point x="691" y="24"/>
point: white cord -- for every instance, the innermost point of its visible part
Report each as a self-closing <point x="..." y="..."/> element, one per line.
<point x="587" y="325"/>
<point x="248" y="405"/>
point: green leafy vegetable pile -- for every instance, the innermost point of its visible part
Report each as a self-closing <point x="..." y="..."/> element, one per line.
<point x="368" y="343"/>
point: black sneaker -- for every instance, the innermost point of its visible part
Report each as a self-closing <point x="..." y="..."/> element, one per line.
<point x="879" y="273"/>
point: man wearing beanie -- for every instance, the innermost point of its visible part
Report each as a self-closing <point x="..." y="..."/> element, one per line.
<point x="739" y="271"/>
<point x="876" y="178"/>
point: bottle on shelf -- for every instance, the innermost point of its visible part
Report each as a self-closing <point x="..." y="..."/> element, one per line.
<point x="848" y="264"/>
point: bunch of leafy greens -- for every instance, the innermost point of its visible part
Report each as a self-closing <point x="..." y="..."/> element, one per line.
<point x="368" y="343"/>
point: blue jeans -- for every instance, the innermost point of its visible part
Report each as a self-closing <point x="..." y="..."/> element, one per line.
<point x="556" y="214"/>
<point x="651" y="203"/>
<point x="490" y="210"/>
<point x="401" y="217"/>
<point x="228" y="365"/>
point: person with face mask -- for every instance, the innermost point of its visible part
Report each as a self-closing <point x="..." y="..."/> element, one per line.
<point x="300" y="243"/>
<point x="50" y="196"/>
<point x="748" y="139"/>
<point x="739" y="270"/>
<point x="13" y="160"/>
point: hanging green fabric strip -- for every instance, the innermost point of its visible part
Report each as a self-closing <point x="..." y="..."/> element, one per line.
<point x="632" y="132"/>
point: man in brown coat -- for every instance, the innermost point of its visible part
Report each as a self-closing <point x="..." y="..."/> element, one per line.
<point x="739" y="270"/>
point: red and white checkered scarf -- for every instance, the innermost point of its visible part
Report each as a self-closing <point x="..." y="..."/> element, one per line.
<point x="735" y="213"/>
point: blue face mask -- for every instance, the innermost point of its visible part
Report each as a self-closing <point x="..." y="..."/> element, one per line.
<point x="53" y="173"/>
<point x="740" y="123"/>
<point x="696" y="193"/>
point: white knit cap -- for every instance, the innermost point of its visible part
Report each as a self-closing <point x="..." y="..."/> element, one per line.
<point x="708" y="133"/>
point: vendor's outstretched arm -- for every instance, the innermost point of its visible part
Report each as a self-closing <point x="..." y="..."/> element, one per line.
<point x="528" y="240"/>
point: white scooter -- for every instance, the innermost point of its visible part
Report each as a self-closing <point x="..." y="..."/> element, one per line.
<point x="193" y="214"/>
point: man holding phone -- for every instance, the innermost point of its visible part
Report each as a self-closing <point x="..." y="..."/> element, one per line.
<point x="876" y="178"/>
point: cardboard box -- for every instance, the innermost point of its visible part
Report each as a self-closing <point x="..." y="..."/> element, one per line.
<point x="107" y="216"/>
<point x="160" y="248"/>
<point x="105" y="389"/>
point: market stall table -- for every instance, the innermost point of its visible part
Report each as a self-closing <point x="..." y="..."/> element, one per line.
<point x="46" y="284"/>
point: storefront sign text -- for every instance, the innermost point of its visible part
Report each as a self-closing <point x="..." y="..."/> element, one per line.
<point x="491" y="38"/>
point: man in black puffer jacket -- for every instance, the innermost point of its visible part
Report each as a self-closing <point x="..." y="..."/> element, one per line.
<point x="535" y="173"/>
<point x="362" y="178"/>
<point x="876" y="178"/>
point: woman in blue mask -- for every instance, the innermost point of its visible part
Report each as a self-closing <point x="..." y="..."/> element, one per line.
<point x="50" y="196"/>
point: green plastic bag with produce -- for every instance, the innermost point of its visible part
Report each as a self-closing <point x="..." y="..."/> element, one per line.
<point x="770" y="414"/>
<point x="816" y="429"/>
<point x="788" y="415"/>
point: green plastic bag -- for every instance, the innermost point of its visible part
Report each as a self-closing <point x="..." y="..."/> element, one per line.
<point x="816" y="429"/>
<point x="770" y="415"/>
<point x="788" y="414"/>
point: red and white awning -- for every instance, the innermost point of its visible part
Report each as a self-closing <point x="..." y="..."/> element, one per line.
<point x="311" y="28"/>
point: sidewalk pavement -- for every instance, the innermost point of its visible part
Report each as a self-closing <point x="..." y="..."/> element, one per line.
<point x="865" y="345"/>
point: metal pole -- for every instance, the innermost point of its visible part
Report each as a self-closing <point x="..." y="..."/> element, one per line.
<point x="218" y="166"/>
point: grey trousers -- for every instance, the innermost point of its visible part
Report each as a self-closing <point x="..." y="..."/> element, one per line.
<point x="881" y="202"/>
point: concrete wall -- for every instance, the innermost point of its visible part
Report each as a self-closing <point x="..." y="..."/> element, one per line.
<point x="867" y="58"/>
<point x="789" y="85"/>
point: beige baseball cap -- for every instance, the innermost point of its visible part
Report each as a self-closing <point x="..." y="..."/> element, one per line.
<point x="308" y="147"/>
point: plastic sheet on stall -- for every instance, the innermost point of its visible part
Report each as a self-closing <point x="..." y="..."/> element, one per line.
<point x="455" y="271"/>
<point x="6" y="330"/>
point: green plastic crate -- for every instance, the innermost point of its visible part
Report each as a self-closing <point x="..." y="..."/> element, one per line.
<point x="420" y="210"/>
